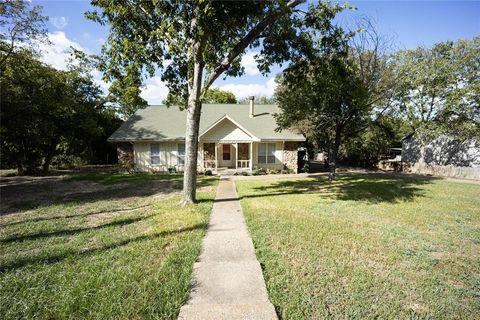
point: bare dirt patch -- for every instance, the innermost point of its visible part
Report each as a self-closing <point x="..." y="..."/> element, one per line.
<point x="21" y="193"/>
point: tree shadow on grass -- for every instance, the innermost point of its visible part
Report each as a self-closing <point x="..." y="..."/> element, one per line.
<point x="368" y="188"/>
<point x="57" y="257"/>
<point x="69" y="216"/>
<point x="113" y="178"/>
<point x="71" y="232"/>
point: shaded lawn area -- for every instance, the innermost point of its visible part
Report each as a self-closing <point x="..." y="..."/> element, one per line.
<point x="107" y="178"/>
<point x="367" y="246"/>
<point x="123" y="248"/>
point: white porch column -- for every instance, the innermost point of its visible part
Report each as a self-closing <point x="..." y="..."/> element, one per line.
<point x="250" y="163"/>
<point x="236" y="156"/>
<point x="216" y="157"/>
<point x="200" y="156"/>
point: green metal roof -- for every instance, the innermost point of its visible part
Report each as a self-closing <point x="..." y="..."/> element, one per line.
<point x="155" y="123"/>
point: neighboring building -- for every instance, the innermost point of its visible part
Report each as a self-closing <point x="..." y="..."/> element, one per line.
<point x="232" y="136"/>
<point x="443" y="156"/>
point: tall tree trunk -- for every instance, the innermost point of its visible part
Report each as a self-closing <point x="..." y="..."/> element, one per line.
<point x="191" y="147"/>
<point x="334" y="154"/>
<point x="192" y="127"/>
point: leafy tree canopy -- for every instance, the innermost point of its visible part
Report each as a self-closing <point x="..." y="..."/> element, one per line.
<point x="336" y="94"/>
<point x="192" y="43"/>
<point x="213" y="95"/>
<point x="162" y="35"/>
<point x="367" y="148"/>
<point x="20" y="24"/>
<point x="47" y="112"/>
<point x="439" y="88"/>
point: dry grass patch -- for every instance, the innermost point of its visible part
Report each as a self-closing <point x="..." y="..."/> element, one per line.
<point x="96" y="249"/>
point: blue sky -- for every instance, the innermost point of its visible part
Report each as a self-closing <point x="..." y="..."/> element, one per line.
<point x="411" y="23"/>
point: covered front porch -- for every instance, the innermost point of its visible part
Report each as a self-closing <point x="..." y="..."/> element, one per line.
<point x="227" y="156"/>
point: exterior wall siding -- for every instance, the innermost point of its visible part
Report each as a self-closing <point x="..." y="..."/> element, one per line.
<point x="169" y="157"/>
<point x="226" y="131"/>
<point x="445" y="171"/>
<point x="442" y="151"/>
<point x="443" y="156"/>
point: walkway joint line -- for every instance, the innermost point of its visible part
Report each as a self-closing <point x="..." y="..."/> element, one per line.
<point x="227" y="279"/>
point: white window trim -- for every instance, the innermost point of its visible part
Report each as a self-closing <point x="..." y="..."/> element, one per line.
<point x="179" y="157"/>
<point x="159" y="155"/>
<point x="264" y="158"/>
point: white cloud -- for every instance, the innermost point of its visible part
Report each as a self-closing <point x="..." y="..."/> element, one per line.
<point x="97" y="79"/>
<point x="57" y="53"/>
<point x="254" y="89"/>
<point x="59" y="22"/>
<point x="155" y="91"/>
<point x="248" y="62"/>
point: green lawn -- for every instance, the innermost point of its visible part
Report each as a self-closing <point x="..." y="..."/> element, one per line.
<point x="7" y="172"/>
<point x="118" y="249"/>
<point x="367" y="246"/>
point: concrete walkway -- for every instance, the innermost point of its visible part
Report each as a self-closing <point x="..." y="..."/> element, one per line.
<point x="227" y="280"/>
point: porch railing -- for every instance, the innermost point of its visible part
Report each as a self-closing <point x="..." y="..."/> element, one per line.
<point x="243" y="164"/>
<point x="209" y="164"/>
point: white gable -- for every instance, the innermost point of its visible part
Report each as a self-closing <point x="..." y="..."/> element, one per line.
<point x="225" y="131"/>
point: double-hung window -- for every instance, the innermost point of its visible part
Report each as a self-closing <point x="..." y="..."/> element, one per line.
<point x="181" y="153"/>
<point x="154" y="153"/>
<point x="266" y="152"/>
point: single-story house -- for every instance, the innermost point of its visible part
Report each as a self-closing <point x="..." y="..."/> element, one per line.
<point x="231" y="137"/>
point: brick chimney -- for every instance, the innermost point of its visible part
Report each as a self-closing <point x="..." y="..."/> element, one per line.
<point x="252" y="106"/>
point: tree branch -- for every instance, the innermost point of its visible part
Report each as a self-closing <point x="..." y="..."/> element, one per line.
<point x="10" y="49"/>
<point x="245" y="41"/>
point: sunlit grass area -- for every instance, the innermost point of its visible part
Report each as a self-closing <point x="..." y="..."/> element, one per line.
<point x="122" y="251"/>
<point x="367" y="246"/>
<point x="8" y="172"/>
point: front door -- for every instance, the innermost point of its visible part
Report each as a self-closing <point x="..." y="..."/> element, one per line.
<point x="226" y="155"/>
